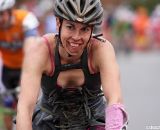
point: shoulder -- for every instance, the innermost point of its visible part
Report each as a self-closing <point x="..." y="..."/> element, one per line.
<point x="36" y="49"/>
<point x="50" y="38"/>
<point x="34" y="45"/>
<point x="38" y="44"/>
<point x="36" y="54"/>
<point x="101" y="48"/>
<point x="102" y="52"/>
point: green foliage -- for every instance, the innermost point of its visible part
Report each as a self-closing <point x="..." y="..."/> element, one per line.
<point x="149" y="4"/>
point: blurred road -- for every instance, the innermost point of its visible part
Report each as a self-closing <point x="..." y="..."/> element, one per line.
<point x="140" y="79"/>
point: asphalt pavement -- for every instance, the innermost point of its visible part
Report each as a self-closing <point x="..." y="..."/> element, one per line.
<point x="140" y="80"/>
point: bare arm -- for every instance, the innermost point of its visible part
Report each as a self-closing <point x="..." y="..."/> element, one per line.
<point x="109" y="71"/>
<point x="104" y="61"/>
<point x="35" y="57"/>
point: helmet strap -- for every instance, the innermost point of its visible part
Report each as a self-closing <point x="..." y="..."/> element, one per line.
<point x="90" y="36"/>
<point x="60" y="28"/>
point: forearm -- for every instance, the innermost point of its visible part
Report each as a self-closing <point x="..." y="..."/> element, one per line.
<point x="116" y="116"/>
<point x="24" y="118"/>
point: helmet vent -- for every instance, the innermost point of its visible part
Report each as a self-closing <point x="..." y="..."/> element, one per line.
<point x="59" y="9"/>
<point x="85" y="11"/>
<point x="90" y="12"/>
<point x="70" y="7"/>
<point x="91" y="2"/>
<point x="82" y="3"/>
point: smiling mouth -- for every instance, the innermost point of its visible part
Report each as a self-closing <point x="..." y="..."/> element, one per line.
<point x="74" y="45"/>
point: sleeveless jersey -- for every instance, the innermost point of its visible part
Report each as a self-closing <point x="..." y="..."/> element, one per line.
<point x="70" y="108"/>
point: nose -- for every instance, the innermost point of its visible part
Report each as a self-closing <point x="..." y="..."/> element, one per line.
<point x="76" y="35"/>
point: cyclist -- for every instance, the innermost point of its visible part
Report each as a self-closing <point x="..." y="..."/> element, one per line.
<point x="72" y="65"/>
<point x="15" y="26"/>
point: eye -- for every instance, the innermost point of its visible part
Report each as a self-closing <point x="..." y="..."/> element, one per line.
<point x="86" y="29"/>
<point x="70" y="27"/>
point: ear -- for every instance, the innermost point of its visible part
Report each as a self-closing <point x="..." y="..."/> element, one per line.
<point x="57" y="23"/>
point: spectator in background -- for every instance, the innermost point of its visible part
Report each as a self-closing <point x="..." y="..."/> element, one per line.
<point x="44" y="12"/>
<point x="140" y="27"/>
<point x="107" y="26"/>
<point x="122" y="29"/>
<point x="50" y="23"/>
<point x="154" y="27"/>
<point x="15" y="26"/>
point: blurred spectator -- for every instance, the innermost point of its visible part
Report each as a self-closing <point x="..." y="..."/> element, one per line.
<point x="155" y="27"/>
<point x="44" y="11"/>
<point x="50" y="23"/>
<point x="15" y="26"/>
<point x="141" y="26"/>
<point x="107" y="26"/>
<point x="122" y="29"/>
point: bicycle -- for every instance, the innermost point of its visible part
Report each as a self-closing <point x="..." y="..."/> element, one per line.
<point x="8" y="102"/>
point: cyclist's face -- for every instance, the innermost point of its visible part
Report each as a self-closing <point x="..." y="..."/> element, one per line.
<point x="4" y="18"/>
<point x="75" y="36"/>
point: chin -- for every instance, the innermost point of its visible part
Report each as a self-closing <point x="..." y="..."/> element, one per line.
<point x="74" y="53"/>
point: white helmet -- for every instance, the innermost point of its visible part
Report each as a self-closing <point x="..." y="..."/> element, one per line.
<point x="6" y="4"/>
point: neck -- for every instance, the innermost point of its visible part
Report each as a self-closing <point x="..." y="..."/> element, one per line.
<point x="66" y="58"/>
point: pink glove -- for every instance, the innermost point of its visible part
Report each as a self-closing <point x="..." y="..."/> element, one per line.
<point x="116" y="117"/>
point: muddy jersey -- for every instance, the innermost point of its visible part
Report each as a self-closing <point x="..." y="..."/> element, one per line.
<point x="70" y="108"/>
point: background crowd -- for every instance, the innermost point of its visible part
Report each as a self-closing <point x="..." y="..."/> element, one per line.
<point x="129" y="27"/>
